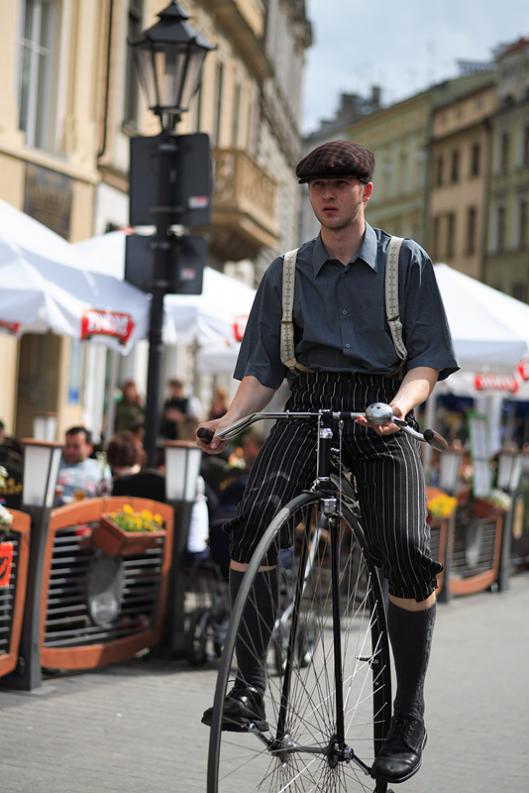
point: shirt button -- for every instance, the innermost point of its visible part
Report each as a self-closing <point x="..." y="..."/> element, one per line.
<point x="347" y="346"/>
<point x="344" y="311"/>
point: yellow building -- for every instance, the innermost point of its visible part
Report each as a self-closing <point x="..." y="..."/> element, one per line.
<point x="459" y="157"/>
<point x="69" y="105"/>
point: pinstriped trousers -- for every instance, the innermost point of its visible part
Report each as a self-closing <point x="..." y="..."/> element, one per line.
<point x="388" y="474"/>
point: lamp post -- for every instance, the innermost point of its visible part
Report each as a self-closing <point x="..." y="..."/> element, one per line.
<point x="169" y="57"/>
<point x="509" y="474"/>
<point x="41" y="468"/>
<point x="182" y="465"/>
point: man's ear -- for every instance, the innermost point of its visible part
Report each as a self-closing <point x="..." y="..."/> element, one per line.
<point x="368" y="191"/>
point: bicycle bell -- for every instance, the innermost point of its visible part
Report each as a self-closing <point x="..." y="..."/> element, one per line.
<point x="379" y="413"/>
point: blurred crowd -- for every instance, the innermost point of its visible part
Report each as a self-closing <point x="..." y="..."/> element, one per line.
<point x="90" y="470"/>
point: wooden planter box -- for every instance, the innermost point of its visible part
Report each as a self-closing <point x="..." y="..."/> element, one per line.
<point x="113" y="541"/>
<point x="13" y="590"/>
<point x="482" y="508"/>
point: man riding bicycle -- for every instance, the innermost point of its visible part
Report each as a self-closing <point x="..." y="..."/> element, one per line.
<point x="342" y="356"/>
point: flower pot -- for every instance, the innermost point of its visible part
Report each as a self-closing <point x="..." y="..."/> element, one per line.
<point x="113" y="541"/>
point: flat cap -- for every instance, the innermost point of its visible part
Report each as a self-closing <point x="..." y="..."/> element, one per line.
<point x="334" y="159"/>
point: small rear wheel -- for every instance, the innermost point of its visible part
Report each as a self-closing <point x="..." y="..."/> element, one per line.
<point x="298" y="751"/>
<point x="197" y="635"/>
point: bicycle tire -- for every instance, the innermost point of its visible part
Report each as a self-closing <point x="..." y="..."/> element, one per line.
<point x="310" y="716"/>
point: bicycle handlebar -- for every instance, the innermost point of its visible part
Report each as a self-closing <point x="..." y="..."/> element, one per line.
<point x="376" y="414"/>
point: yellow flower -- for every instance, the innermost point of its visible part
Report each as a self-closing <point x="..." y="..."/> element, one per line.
<point x="158" y="518"/>
<point x="146" y="514"/>
<point x="127" y="509"/>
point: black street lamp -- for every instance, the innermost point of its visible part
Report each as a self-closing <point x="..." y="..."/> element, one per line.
<point x="169" y="57"/>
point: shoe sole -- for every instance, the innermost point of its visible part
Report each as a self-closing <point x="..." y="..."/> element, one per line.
<point x="397" y="780"/>
<point x="244" y="725"/>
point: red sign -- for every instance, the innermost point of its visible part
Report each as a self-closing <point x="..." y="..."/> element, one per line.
<point x="239" y="326"/>
<point x="98" y="322"/>
<point x="6" y="563"/>
<point x="496" y="382"/>
<point x="523" y="370"/>
<point x="10" y="327"/>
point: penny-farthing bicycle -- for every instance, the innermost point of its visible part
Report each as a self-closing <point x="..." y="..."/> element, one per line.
<point x="328" y="703"/>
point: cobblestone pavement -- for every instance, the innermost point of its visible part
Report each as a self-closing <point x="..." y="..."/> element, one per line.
<point x="135" y="727"/>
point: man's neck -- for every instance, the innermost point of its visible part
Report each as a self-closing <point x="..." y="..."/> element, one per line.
<point x="342" y="244"/>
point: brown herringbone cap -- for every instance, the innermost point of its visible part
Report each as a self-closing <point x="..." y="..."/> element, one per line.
<point x="334" y="159"/>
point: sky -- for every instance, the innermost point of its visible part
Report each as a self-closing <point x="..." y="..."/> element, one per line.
<point x="401" y="46"/>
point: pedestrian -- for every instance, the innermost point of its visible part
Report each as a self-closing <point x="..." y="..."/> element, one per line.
<point x="180" y="413"/>
<point x="219" y="403"/>
<point x="125" y="457"/>
<point x="129" y="410"/>
<point x="80" y="476"/>
<point x="343" y="356"/>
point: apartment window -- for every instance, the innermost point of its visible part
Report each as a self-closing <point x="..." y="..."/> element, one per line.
<point x="134" y="26"/>
<point x="235" y="119"/>
<point x="522" y="223"/>
<point x="519" y="290"/>
<point x="505" y="146"/>
<point x="439" y="168"/>
<point x="450" y="234"/>
<point x="471" y="229"/>
<point x="475" y="159"/>
<point x="454" y="166"/>
<point x="436" y="232"/>
<point x="525" y="154"/>
<point x="38" y="63"/>
<point x="219" y="80"/>
<point x="500" y="229"/>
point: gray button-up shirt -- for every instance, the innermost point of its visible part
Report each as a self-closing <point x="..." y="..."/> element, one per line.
<point x="339" y="314"/>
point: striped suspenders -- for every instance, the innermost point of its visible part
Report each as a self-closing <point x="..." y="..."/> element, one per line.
<point x="391" y="287"/>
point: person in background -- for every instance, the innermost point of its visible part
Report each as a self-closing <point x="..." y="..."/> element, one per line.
<point x="129" y="409"/>
<point x="80" y="476"/>
<point x="179" y="412"/>
<point x="129" y="479"/>
<point x="2" y="432"/>
<point x="219" y="404"/>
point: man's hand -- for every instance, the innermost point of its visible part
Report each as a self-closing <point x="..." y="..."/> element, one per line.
<point x="215" y="446"/>
<point x="383" y="429"/>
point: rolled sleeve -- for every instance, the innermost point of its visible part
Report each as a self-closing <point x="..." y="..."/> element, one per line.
<point x="260" y="353"/>
<point x="425" y="327"/>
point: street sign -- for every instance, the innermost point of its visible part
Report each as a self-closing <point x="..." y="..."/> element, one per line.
<point x="190" y="176"/>
<point x="185" y="266"/>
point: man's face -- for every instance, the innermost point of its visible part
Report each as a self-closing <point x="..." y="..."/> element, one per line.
<point x="76" y="449"/>
<point x="337" y="203"/>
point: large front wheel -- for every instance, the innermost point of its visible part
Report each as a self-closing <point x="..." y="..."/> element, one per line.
<point x="299" y="751"/>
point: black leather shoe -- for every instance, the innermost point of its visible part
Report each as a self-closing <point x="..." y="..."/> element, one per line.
<point x="401" y="754"/>
<point x="243" y="708"/>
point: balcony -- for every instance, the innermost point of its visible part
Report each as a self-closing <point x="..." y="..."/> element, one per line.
<point x="244" y="206"/>
<point x="243" y="21"/>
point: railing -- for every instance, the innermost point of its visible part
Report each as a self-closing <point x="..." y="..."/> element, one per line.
<point x="14" y="566"/>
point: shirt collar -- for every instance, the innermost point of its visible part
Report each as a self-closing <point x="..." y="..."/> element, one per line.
<point x="367" y="251"/>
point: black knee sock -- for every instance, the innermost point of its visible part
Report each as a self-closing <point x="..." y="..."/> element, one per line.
<point x="256" y="626"/>
<point x="411" y="639"/>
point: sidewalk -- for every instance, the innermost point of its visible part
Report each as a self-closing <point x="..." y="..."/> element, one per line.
<point x="135" y="727"/>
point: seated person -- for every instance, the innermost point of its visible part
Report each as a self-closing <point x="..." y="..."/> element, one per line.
<point x="80" y="476"/>
<point x="129" y="479"/>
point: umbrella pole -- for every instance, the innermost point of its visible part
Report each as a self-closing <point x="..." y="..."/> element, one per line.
<point x="108" y="427"/>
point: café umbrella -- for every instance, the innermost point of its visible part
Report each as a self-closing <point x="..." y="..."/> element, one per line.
<point x="45" y="287"/>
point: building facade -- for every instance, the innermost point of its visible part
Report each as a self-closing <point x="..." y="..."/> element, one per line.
<point x="459" y="156"/>
<point x="506" y="264"/>
<point x="70" y="105"/>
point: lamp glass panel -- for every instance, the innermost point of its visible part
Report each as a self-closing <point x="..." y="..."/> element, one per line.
<point x="516" y="472"/>
<point x="175" y="468"/>
<point x="170" y="71"/>
<point x="505" y="464"/>
<point x="192" y="77"/>
<point x="449" y="470"/>
<point x="38" y="461"/>
<point x="193" y="467"/>
<point x="146" y="74"/>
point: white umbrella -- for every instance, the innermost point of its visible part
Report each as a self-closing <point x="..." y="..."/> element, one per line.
<point x="490" y="329"/>
<point x="218" y="314"/>
<point x="45" y="287"/>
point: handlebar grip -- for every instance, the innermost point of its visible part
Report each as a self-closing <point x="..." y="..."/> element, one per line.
<point x="205" y="435"/>
<point x="435" y="440"/>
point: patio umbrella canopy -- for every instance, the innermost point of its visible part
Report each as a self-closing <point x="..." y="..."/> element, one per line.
<point x="46" y="287"/>
<point x="490" y="329"/>
<point x="212" y="318"/>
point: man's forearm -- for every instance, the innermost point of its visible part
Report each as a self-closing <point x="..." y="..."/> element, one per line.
<point x="251" y="397"/>
<point x="415" y="388"/>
